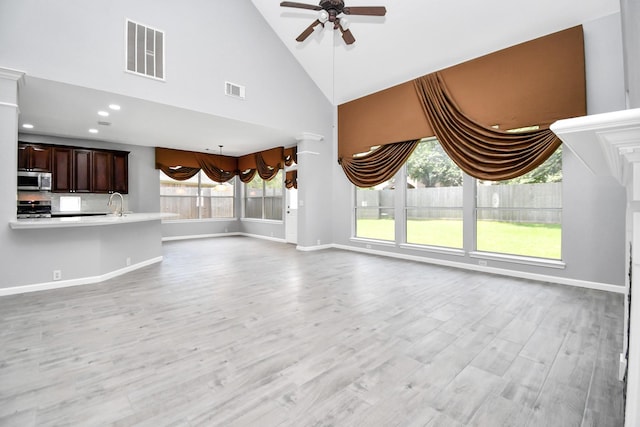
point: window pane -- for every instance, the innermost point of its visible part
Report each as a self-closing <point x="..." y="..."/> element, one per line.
<point x="171" y="187"/>
<point x="217" y="207"/>
<point x="375" y="213"/>
<point x="273" y="197"/>
<point x="523" y="216"/>
<point x="433" y="197"/>
<point x="181" y="197"/>
<point x="185" y="207"/>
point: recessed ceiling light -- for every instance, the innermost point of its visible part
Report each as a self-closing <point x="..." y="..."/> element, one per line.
<point x="103" y="113"/>
<point x="27" y="126"/>
<point x="115" y="107"/>
<point x="93" y="130"/>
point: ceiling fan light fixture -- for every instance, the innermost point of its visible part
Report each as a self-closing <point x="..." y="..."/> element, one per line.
<point x="333" y="11"/>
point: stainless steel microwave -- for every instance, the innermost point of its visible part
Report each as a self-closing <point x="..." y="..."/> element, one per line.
<point x="34" y="181"/>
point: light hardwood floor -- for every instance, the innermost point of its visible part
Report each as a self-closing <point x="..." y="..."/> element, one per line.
<point x="243" y="332"/>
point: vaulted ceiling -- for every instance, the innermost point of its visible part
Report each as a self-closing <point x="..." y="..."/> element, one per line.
<point x="417" y="37"/>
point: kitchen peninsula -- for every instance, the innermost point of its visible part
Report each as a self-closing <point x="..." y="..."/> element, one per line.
<point x="87" y="221"/>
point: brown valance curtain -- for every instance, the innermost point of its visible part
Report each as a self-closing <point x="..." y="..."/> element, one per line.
<point x="379" y="165"/>
<point x="291" y="179"/>
<point x="290" y="156"/>
<point x="533" y="83"/>
<point x="481" y="151"/>
<point x="180" y="173"/>
<point x="216" y="167"/>
<point x="182" y="165"/>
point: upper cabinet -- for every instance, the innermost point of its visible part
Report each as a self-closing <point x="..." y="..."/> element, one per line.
<point x="32" y="157"/>
<point x="78" y="169"/>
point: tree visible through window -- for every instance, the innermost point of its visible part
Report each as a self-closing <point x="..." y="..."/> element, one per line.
<point x="522" y="216"/>
<point x="433" y="207"/>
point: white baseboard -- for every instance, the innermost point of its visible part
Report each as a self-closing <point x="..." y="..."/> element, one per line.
<point x="314" y="248"/>
<point x="199" y="236"/>
<point x="493" y="270"/>
<point x="76" y="282"/>
<point x="258" y="236"/>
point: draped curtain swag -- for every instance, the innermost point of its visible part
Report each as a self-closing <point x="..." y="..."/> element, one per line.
<point x="533" y="83"/>
<point x="480" y="151"/>
<point x="378" y="165"/>
<point x="182" y="165"/>
<point x="179" y="173"/>
<point x="291" y="179"/>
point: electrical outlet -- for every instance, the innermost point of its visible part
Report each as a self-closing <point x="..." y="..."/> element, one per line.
<point x="318" y="242"/>
<point x="482" y="263"/>
<point x="128" y="261"/>
<point x="226" y="230"/>
<point x="368" y="246"/>
<point x="57" y="274"/>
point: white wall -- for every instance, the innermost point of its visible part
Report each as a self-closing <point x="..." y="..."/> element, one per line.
<point x="631" y="36"/>
<point x="594" y="208"/>
<point x="207" y="43"/>
<point x="82" y="43"/>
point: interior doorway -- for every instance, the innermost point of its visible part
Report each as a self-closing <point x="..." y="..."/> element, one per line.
<point x="291" y="218"/>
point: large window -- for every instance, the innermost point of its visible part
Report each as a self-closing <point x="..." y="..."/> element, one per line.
<point x="433" y="202"/>
<point x="264" y="199"/>
<point x="519" y="217"/>
<point x="522" y="216"/>
<point x="197" y="198"/>
<point x="374" y="212"/>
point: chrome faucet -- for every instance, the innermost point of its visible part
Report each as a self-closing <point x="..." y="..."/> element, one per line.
<point x="117" y="211"/>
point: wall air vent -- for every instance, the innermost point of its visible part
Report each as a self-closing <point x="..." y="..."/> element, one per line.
<point x="234" y="90"/>
<point x="145" y="50"/>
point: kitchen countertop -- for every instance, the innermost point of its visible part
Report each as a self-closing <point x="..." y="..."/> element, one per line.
<point x="87" y="221"/>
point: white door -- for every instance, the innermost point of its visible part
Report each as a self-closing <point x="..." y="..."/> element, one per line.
<point x="291" y="218"/>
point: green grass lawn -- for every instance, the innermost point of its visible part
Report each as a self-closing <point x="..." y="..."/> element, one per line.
<point x="536" y="240"/>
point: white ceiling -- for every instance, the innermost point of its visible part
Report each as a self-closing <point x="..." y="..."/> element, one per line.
<point x="415" y="38"/>
<point x="65" y="110"/>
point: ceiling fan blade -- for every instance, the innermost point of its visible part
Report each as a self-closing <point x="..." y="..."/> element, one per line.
<point x="347" y="36"/>
<point x="307" y="32"/>
<point x="365" y="10"/>
<point x="300" y="5"/>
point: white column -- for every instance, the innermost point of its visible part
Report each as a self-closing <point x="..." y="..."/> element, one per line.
<point x="9" y="80"/>
<point x="311" y="203"/>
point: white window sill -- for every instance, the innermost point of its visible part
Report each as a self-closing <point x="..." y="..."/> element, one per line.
<point x="434" y="249"/>
<point x="370" y="242"/>
<point x="539" y="262"/>
<point x="177" y="221"/>
<point x="262" y="221"/>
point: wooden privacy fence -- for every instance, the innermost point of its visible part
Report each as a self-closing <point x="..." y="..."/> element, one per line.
<point x="529" y="203"/>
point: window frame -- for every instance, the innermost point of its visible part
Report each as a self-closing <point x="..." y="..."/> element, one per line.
<point x="469" y="218"/>
<point x="199" y="197"/>
<point x="244" y="197"/>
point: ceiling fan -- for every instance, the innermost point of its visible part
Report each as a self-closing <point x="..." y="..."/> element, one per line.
<point x="329" y="11"/>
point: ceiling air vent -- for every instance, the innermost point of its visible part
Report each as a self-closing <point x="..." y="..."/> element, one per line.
<point x="145" y="50"/>
<point x="234" y="90"/>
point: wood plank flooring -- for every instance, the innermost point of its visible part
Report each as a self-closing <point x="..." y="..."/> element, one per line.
<point x="242" y="332"/>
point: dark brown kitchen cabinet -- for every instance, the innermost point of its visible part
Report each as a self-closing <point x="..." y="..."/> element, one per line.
<point x="78" y="169"/>
<point x="32" y="157"/>
<point x="110" y="172"/>
<point x="121" y="172"/>
<point x="102" y="174"/>
<point x="71" y="170"/>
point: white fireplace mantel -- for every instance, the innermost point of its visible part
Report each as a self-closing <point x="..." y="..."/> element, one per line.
<point x="606" y="143"/>
<point x="609" y="144"/>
